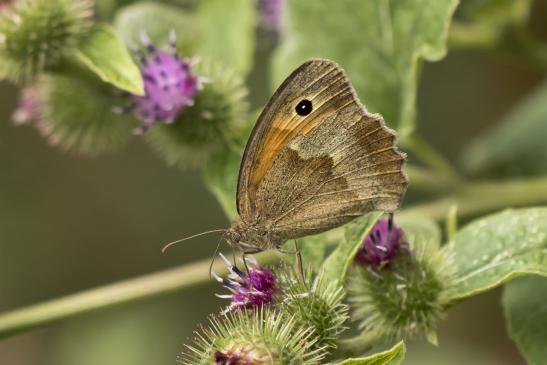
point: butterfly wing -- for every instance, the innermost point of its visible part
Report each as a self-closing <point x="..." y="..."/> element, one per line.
<point x="306" y="174"/>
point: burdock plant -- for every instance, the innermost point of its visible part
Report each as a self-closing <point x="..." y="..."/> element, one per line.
<point x="192" y="77"/>
<point x="397" y="288"/>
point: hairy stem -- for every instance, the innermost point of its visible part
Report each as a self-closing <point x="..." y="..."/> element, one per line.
<point x="122" y="292"/>
<point x="433" y="159"/>
<point x="472" y="200"/>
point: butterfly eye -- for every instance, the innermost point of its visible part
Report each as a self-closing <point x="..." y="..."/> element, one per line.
<point x="304" y="107"/>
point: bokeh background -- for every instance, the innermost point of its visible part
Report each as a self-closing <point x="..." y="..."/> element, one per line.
<point x="69" y="223"/>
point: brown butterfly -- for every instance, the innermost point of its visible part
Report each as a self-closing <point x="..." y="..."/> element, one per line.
<point x="316" y="159"/>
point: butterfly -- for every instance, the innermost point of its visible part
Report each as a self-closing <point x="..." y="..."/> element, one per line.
<point x="315" y="160"/>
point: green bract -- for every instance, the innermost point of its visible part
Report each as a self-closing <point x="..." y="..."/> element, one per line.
<point x="77" y="112"/>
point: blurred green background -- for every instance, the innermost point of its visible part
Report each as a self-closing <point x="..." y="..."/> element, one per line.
<point x="69" y="223"/>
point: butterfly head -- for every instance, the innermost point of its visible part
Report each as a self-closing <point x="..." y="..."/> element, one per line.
<point x="251" y="238"/>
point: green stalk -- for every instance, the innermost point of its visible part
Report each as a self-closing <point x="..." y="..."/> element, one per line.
<point x="122" y="292"/>
<point x="433" y="159"/>
<point x="472" y="200"/>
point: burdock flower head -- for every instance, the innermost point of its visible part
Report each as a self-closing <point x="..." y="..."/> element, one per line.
<point x="240" y="355"/>
<point x="262" y="337"/>
<point x="271" y="14"/>
<point x="169" y="85"/>
<point x="29" y="109"/>
<point x="253" y="289"/>
<point x="398" y="289"/>
<point x="381" y="245"/>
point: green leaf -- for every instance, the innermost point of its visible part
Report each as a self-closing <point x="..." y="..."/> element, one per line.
<point x="227" y="32"/>
<point x="313" y="250"/>
<point x="379" y="43"/>
<point x="156" y="20"/>
<point x="393" y="356"/>
<point x="418" y="228"/>
<point x="220" y="174"/>
<point x="106" y="55"/>
<point x="525" y="305"/>
<point x="337" y="264"/>
<point x="516" y="146"/>
<point x="493" y="250"/>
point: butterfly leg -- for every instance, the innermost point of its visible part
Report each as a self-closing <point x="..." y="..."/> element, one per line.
<point x="390" y="222"/>
<point x="244" y="255"/>
<point x="298" y="262"/>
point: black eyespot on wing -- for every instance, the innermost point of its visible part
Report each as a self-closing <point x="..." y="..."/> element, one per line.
<point x="304" y="107"/>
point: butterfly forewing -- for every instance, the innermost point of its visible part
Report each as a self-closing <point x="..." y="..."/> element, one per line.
<point x="304" y="174"/>
<point x="279" y="123"/>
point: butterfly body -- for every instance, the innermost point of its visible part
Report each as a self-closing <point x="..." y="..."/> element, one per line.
<point x="315" y="160"/>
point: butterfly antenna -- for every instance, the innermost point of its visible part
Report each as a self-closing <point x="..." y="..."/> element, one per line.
<point x="214" y="256"/>
<point x="188" y="238"/>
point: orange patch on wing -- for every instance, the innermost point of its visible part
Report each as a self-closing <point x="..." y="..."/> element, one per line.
<point x="276" y="139"/>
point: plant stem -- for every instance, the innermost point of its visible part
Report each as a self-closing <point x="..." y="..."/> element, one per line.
<point x="514" y="40"/>
<point x="146" y="286"/>
<point x="432" y="158"/>
<point x="427" y="181"/>
<point x="472" y="200"/>
<point x="478" y="198"/>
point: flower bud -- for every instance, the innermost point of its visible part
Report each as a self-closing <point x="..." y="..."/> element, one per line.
<point x="399" y="295"/>
<point x="381" y="245"/>
<point x="215" y="122"/>
<point x="262" y="337"/>
<point x="318" y="306"/>
<point x="35" y="34"/>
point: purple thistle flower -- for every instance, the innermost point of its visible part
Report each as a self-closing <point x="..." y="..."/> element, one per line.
<point x="271" y="14"/>
<point x="29" y="111"/>
<point x="168" y="84"/>
<point x="381" y="245"/>
<point x="254" y="289"/>
<point x="6" y="3"/>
